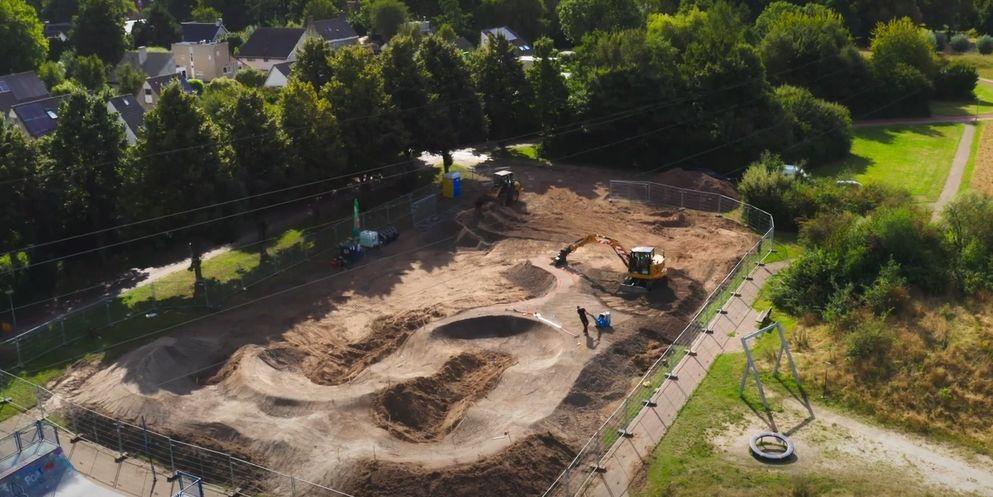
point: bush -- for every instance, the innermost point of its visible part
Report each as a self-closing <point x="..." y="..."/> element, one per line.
<point x="196" y="85"/>
<point x="956" y="80"/>
<point x="939" y="40"/>
<point x="871" y="339"/>
<point x="250" y="77"/>
<point x="822" y="131"/>
<point x="960" y="43"/>
<point x="985" y="44"/>
<point x="51" y="73"/>
<point x="889" y="292"/>
<point x="808" y="285"/>
<point x="903" y="91"/>
<point x="765" y="186"/>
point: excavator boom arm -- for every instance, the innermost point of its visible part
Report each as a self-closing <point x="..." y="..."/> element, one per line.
<point x="619" y="249"/>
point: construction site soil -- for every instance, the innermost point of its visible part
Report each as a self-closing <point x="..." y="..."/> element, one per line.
<point x="451" y="363"/>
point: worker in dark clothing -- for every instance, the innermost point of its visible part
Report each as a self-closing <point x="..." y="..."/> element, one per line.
<point x="582" y="317"/>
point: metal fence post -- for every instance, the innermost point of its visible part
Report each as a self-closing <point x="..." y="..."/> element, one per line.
<point x="62" y="329"/>
<point x="231" y="469"/>
<point x="120" y="439"/>
<point x="172" y="457"/>
<point x="17" y="347"/>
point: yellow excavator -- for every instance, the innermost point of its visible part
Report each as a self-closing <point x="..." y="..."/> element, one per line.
<point x="644" y="266"/>
<point x="505" y="190"/>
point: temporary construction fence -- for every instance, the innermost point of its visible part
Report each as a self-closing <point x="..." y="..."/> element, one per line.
<point x="149" y="301"/>
<point x="574" y="480"/>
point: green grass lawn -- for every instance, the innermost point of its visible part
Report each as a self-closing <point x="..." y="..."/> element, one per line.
<point x="970" y="168"/>
<point x="984" y="99"/>
<point x="983" y="63"/>
<point x="916" y="158"/>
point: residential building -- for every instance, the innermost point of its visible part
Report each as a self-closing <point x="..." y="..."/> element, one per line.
<point x="153" y="63"/>
<point x="270" y="46"/>
<point x="337" y="32"/>
<point x="203" y="32"/>
<point x="486" y="35"/>
<point x="153" y="87"/>
<point x="204" y="60"/>
<point x="130" y="113"/>
<point x="278" y="75"/>
<point x="18" y="88"/>
<point x="57" y="30"/>
<point x="38" y="117"/>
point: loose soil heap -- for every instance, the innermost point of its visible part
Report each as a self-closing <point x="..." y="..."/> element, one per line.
<point x="427" y="408"/>
<point x="696" y="180"/>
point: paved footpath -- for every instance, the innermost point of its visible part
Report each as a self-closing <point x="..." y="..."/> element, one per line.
<point x="625" y="461"/>
<point x="955" y="175"/>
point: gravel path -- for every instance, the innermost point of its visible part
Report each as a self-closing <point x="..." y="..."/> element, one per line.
<point x="957" y="172"/>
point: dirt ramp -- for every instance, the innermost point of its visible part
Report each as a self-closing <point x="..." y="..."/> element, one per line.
<point x="426" y="409"/>
<point x="342" y="362"/>
<point x="498" y="326"/>
<point x="530" y="278"/>
<point x="525" y="469"/>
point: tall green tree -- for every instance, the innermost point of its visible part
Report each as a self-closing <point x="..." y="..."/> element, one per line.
<point x="456" y="112"/>
<point x="526" y="17"/>
<point x="372" y="132"/>
<point x="98" y="29"/>
<point x="551" y="95"/>
<point x="25" y="216"/>
<point x="386" y="16"/>
<point x="22" y="44"/>
<point x="404" y="80"/>
<point x="578" y="17"/>
<point x="129" y="78"/>
<point x="313" y="63"/>
<point x="901" y="41"/>
<point x="87" y="147"/>
<point x="60" y="10"/>
<point x="312" y="132"/>
<point x="319" y="9"/>
<point x="159" y="28"/>
<point x="506" y="96"/>
<point x="89" y="71"/>
<point x="179" y="9"/>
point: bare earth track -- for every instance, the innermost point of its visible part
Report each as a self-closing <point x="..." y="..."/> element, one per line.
<point x="427" y="374"/>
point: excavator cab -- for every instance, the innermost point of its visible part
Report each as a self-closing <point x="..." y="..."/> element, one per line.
<point x="503" y="177"/>
<point x="641" y="260"/>
<point x="507" y="189"/>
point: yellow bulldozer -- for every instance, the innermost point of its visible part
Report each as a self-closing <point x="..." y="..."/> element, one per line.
<point x="644" y="266"/>
<point x="505" y="190"/>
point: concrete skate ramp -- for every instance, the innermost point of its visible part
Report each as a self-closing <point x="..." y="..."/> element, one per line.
<point x="42" y="470"/>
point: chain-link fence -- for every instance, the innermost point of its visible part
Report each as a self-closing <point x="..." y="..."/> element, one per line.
<point x="649" y="389"/>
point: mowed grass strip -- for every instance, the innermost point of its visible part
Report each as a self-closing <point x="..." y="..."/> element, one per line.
<point x="970" y="167"/>
<point x="915" y="158"/>
<point x="983" y="103"/>
<point x="981" y="177"/>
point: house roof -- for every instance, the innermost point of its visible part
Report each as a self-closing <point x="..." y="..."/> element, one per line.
<point x="54" y="29"/>
<point x="130" y="111"/>
<point x="20" y="87"/>
<point x="196" y="32"/>
<point x="283" y="68"/>
<point x="463" y="44"/>
<point x="336" y="28"/>
<point x="272" y="43"/>
<point x="158" y="82"/>
<point x="39" y="117"/>
<point x="156" y="63"/>
<point x="522" y="45"/>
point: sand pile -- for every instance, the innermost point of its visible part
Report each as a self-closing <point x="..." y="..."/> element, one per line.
<point x="696" y="180"/>
<point x="426" y="409"/>
<point x="526" y="468"/>
<point x="667" y="219"/>
<point x="533" y="280"/>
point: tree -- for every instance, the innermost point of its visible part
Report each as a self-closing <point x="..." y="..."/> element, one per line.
<point x="51" y="73"/>
<point x="551" y="96"/>
<point x="129" y="78"/>
<point x="312" y="132"/>
<point x="89" y="71"/>
<point x="526" y="17"/>
<point x="88" y="148"/>
<point x="258" y="153"/>
<point x="218" y="94"/>
<point x="319" y="9"/>
<point x="24" y="216"/>
<point x="22" y="44"/>
<point x="60" y="10"/>
<point x="812" y="48"/>
<point x="386" y="16"/>
<point x="313" y="63"/>
<point x="159" y="28"/>
<point x="956" y="80"/>
<point x="98" y="30"/>
<point x="456" y="114"/>
<point x="822" y="131"/>
<point x="179" y="9"/>
<point x="452" y="15"/>
<point x="404" y="80"/>
<point x="371" y="131"/>
<point x="578" y="17"/>
<point x="250" y="77"/>
<point x="506" y="96"/>
<point x="205" y="13"/>
<point x="900" y="41"/>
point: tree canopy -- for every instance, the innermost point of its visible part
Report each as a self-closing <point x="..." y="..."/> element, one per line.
<point x="22" y="44"/>
<point x="98" y="29"/>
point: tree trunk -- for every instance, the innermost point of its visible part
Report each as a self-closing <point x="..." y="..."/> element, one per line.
<point x="446" y="160"/>
<point x="262" y="227"/>
<point x="196" y="263"/>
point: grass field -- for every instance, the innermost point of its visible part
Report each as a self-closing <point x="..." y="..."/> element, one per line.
<point x="970" y="167"/>
<point x="916" y="158"/>
<point x="984" y="100"/>
<point x="983" y="63"/>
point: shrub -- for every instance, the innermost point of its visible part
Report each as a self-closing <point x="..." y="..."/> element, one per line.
<point x="807" y="285"/>
<point x="960" y="43"/>
<point x="871" y="339"/>
<point x="985" y="44"/>
<point x="905" y="91"/>
<point x="765" y="186"/>
<point x="51" y="73"/>
<point x="822" y="131"/>
<point x="956" y="80"/>
<point x="250" y="77"/>
<point x="889" y="292"/>
<point x="196" y="85"/>
<point x="939" y="40"/>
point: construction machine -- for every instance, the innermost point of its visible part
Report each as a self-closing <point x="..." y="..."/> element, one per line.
<point x="644" y="266"/>
<point x="505" y="189"/>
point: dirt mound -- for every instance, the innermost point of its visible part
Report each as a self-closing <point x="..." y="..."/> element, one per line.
<point x="341" y="362"/>
<point x="229" y="367"/>
<point x="487" y="327"/>
<point x="426" y="409"/>
<point x="696" y="180"/>
<point x="667" y="219"/>
<point x="526" y="468"/>
<point x="534" y="280"/>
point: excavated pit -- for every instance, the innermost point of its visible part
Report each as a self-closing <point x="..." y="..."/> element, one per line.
<point x="501" y="326"/>
<point x="426" y="409"/>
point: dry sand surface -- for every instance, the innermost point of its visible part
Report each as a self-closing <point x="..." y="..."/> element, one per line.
<point x="425" y="372"/>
